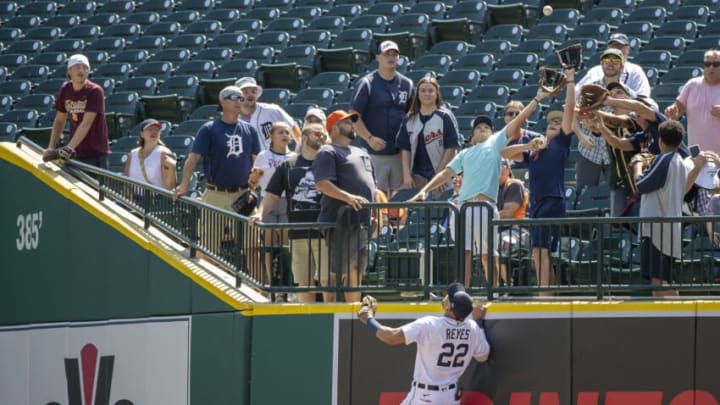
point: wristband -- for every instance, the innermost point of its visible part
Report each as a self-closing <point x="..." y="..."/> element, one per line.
<point x="570" y="81"/>
<point x="373" y="324"/>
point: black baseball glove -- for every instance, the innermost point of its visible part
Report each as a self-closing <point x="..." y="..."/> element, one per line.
<point x="570" y="57"/>
<point x="592" y="97"/>
<point x="246" y="203"/>
<point x="551" y="81"/>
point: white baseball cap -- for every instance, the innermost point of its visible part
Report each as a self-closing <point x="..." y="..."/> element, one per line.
<point x="388" y="46"/>
<point x="249" y="82"/>
<point x="316" y="112"/>
<point x="78" y="59"/>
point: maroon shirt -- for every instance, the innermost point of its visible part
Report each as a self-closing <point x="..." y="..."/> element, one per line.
<point x="90" y="98"/>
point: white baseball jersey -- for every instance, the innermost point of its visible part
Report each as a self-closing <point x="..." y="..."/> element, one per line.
<point x="445" y="347"/>
<point x="269" y="161"/>
<point x="262" y="119"/>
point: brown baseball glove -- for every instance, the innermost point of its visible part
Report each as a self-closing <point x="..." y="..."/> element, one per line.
<point x="570" y="57"/>
<point x="65" y="152"/>
<point x="592" y="97"/>
<point x="551" y="81"/>
<point x="644" y="158"/>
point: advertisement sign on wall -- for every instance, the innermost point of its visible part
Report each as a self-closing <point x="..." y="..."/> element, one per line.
<point x="143" y="361"/>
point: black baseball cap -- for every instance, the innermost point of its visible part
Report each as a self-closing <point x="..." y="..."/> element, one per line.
<point x="482" y="119"/>
<point x="460" y="302"/>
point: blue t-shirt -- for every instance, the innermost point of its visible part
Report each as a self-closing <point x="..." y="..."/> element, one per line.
<point x="547" y="171"/>
<point x="480" y="165"/>
<point x="227" y="151"/>
<point x="351" y="170"/>
<point x="382" y="105"/>
<point x="648" y="140"/>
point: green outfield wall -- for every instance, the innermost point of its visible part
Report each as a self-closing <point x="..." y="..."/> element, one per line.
<point x="97" y="311"/>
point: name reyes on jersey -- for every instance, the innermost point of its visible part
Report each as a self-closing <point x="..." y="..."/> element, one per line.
<point x="457" y="334"/>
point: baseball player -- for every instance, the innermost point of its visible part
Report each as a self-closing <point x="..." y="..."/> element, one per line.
<point x="445" y="345"/>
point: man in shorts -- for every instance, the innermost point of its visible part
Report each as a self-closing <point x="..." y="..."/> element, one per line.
<point x="344" y="174"/>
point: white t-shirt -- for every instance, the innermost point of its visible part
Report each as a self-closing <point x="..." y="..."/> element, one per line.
<point x="269" y="161"/>
<point x="152" y="166"/>
<point x="445" y="347"/>
<point x="262" y="119"/>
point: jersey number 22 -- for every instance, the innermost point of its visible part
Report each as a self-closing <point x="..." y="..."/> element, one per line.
<point x="452" y="355"/>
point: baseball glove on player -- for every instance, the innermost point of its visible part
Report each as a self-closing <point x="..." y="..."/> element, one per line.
<point x="370" y="303"/>
<point x="551" y="81"/>
<point x="592" y="97"/>
<point x="642" y="158"/>
<point x="570" y="57"/>
<point x="65" y="152"/>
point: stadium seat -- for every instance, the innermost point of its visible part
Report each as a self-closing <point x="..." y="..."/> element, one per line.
<point x="316" y="38"/>
<point x="291" y="25"/>
<point x="81" y="9"/>
<point x="654" y="15"/>
<point x="554" y="32"/>
<point x="248" y="27"/>
<point x="142" y="85"/>
<point x="44" y="33"/>
<point x="666" y="92"/>
<point x="438" y="63"/>
<point x="262" y="54"/>
<point x="162" y="7"/>
<point x="42" y="103"/>
<point x="670" y="5"/>
<point x="525" y="61"/>
<point x="606" y="15"/>
<point x="681" y="74"/>
<point x="338" y="81"/>
<point x="198" y="5"/>
<point x="452" y="96"/>
<point x="484" y="63"/>
<point x="107" y="83"/>
<point x="277" y="96"/>
<point x="188" y="127"/>
<point x="334" y="24"/>
<point x="512" y="78"/>
<point x="168" y="29"/>
<point x="642" y="30"/>
<point x="456" y="49"/>
<point x="434" y="9"/>
<point x="176" y="97"/>
<point x="389" y="9"/>
<point x="512" y="13"/>
<point x="184" y="17"/>
<point x="322" y="97"/>
<point x="144" y="19"/>
<point x="149" y="43"/>
<point x="6" y="103"/>
<point x="542" y="48"/>
<point x="88" y="33"/>
<point x="24" y="21"/>
<point x="708" y="41"/>
<point x="508" y="32"/>
<point x="347" y="11"/>
<point x="265" y="14"/>
<point x="13" y="60"/>
<point x="325" y="5"/>
<point x="595" y="30"/>
<point x="206" y="27"/>
<point x="116" y="161"/>
<point x="22" y="117"/>
<point x="25" y="46"/>
<point x="34" y="73"/>
<point x="233" y="40"/>
<point x="674" y="45"/>
<point x="306" y="13"/>
<point x="205" y="113"/>
<point x="132" y="56"/>
<point x="410" y="32"/>
<point x="10" y="34"/>
<point x="128" y="31"/>
<point x="692" y="58"/>
<point x="498" y="94"/>
<point x="465" y="21"/>
<point x="497" y="47"/>
<point x="180" y="144"/>
<point x="653" y="75"/>
<point x="569" y="17"/>
<point x="161" y="70"/>
<point x="121" y="7"/>
<point x="203" y="69"/>
<point x="292" y="69"/>
<point x="9" y="132"/>
<point x="68" y="45"/>
<point x="218" y="55"/>
<point x="660" y="60"/>
<point x="467" y="78"/>
<point x="175" y="55"/>
<point x="96" y="57"/>
<point x="277" y="39"/>
<point x="298" y="110"/>
<point x="102" y="19"/>
<point x="682" y="28"/>
<point x="477" y="107"/>
<point x="627" y="6"/>
<point x="118" y="71"/>
<point x="224" y="15"/>
<point x="122" y="112"/>
<point x="189" y="41"/>
<point x="111" y="45"/>
<point x="416" y="75"/>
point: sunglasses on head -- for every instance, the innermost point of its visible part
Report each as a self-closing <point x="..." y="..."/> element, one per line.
<point x="512" y="113"/>
<point x="713" y="64"/>
<point x="234" y="97"/>
<point x="612" y="59"/>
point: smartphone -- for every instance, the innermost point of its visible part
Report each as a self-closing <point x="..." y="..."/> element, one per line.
<point x="694" y="150"/>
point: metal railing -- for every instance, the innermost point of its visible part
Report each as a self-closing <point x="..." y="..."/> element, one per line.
<point x="414" y="250"/>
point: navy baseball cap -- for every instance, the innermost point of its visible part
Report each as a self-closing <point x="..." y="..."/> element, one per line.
<point x="482" y="119"/>
<point x="461" y="305"/>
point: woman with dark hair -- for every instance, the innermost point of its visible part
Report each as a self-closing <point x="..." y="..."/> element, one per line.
<point x="428" y="138"/>
<point x="152" y="161"/>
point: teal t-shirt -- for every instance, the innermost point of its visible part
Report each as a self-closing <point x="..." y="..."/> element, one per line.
<point x="480" y="165"/>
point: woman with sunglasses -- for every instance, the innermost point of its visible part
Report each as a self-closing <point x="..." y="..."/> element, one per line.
<point x="428" y="137"/>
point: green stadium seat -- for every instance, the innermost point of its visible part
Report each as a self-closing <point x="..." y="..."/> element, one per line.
<point x="498" y="94"/>
<point x="144" y="19"/>
<point x="219" y="55"/>
<point x="337" y="81"/>
<point x="452" y="96"/>
<point x="674" y="45"/>
<point x="43" y="33"/>
<point x="691" y="57"/>
<point x="188" y="127"/>
<point x="512" y="13"/>
<point x="277" y="39"/>
<point x="508" y="32"/>
<point x="176" y="98"/>
<point x="467" y="78"/>
<point x="681" y="74"/>
<point x="118" y="71"/>
<point x="203" y="69"/>
<point x="389" y="9"/>
<point x="654" y="15"/>
<point x="42" y="103"/>
<point x="205" y="112"/>
<point x="168" y="29"/>
<point x="483" y="63"/>
<point x="438" y="63"/>
<point x="543" y="48"/>
<point x="334" y="24"/>
<point x="247" y="27"/>
<point x="456" y="49"/>
<point x="410" y="32"/>
<point x="111" y="45"/>
<point x="477" y="107"/>
<point x="686" y="29"/>
<point x="608" y="15"/>
<point x="189" y="41"/>
<point x="24" y="21"/>
<point x="642" y="30"/>
<point x="107" y="83"/>
<point x="162" y="7"/>
<point x="570" y="17"/>
<point x="277" y="96"/>
<point x="347" y="11"/>
<point x="161" y="70"/>
<point x="25" y="46"/>
<point x="128" y="31"/>
<point x="375" y="22"/>
<point x="322" y="97"/>
<point x="132" y="56"/>
<point x="627" y="6"/>
<point x="266" y="14"/>
<point x="9" y="132"/>
<point x="22" y="117"/>
<point x="557" y="33"/>
<point x="525" y="61"/>
<point x="206" y="27"/>
<point x="316" y="38"/>
<point x="13" y="60"/>
<point x="88" y="33"/>
<point x="306" y="13"/>
<point x="224" y="15"/>
<point x="34" y="73"/>
<point x="670" y="5"/>
<point x="142" y="85"/>
<point x="293" y="26"/>
<point x="6" y="103"/>
<point x="122" y="111"/>
<point x="292" y="69"/>
<point x="175" y="55"/>
<point x="198" y="5"/>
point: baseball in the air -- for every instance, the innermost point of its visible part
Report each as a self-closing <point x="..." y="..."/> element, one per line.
<point x="547" y="10"/>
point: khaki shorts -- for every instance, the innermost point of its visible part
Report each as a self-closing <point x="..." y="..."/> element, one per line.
<point x="211" y="232"/>
<point x="309" y="260"/>
<point x="388" y="171"/>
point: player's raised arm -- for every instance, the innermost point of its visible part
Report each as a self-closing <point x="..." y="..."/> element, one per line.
<point x="387" y="335"/>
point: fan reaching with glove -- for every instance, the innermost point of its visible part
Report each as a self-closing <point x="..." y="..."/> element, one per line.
<point x="551" y="81"/>
<point x="592" y="97"/>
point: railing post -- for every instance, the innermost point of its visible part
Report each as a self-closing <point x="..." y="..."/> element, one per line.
<point x="600" y="260"/>
<point x="491" y="249"/>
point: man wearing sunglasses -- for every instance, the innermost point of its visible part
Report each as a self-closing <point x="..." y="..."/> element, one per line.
<point x="699" y="99"/>
<point x="632" y="76"/>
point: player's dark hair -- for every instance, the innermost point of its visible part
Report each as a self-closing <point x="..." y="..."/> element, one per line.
<point x="671" y="132"/>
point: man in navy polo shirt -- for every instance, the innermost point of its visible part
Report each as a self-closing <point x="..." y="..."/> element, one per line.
<point x="381" y="101"/>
